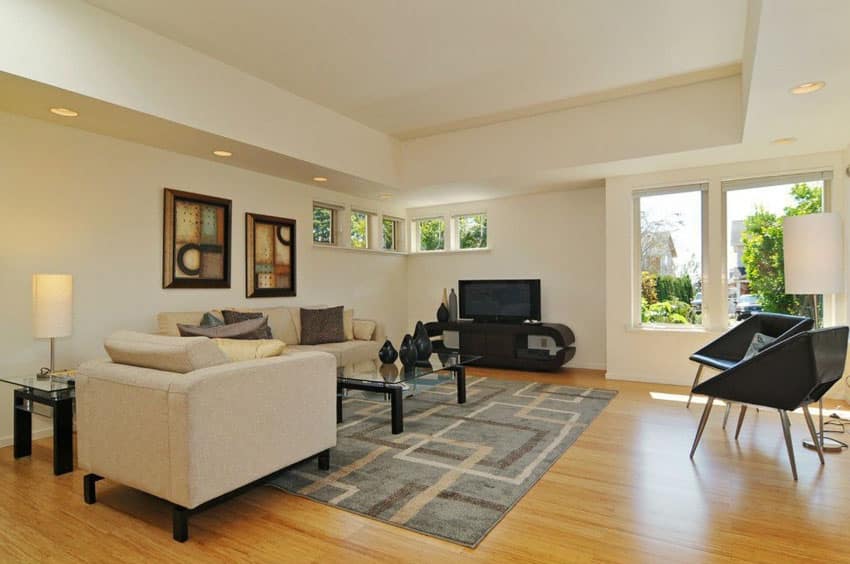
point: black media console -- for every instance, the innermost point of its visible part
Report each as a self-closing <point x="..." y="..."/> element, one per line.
<point x="545" y="346"/>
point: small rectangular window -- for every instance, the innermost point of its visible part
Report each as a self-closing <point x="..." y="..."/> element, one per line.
<point x="431" y="234"/>
<point x="324" y="224"/>
<point x="391" y="231"/>
<point x="471" y="231"/>
<point x="359" y="230"/>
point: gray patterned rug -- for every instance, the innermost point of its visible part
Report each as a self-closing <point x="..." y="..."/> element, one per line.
<point x="456" y="470"/>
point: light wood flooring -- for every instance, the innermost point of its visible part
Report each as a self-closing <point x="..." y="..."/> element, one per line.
<point x="626" y="491"/>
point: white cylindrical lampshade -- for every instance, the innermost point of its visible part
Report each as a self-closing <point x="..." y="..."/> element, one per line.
<point x="814" y="254"/>
<point x="51" y="305"/>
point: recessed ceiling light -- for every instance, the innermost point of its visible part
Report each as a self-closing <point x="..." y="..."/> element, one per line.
<point x="784" y="140"/>
<point x="64" y="112"/>
<point x="808" y="87"/>
<point x="222" y="153"/>
<point x="319" y="179"/>
<point x="385" y="196"/>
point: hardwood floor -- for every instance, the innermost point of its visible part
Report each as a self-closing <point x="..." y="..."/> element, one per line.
<point x="624" y="492"/>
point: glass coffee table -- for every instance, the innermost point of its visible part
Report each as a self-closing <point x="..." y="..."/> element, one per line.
<point x="58" y="393"/>
<point x="394" y="380"/>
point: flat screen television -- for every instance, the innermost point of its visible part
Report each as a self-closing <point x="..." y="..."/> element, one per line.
<point x="499" y="300"/>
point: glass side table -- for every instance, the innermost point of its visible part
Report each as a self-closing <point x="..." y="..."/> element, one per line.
<point x="57" y="393"/>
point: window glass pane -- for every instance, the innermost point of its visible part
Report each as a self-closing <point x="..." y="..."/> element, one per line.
<point x="472" y="231"/>
<point x="389" y="231"/>
<point x="754" y="252"/>
<point x="322" y="224"/>
<point x="671" y="258"/>
<point x="359" y="230"/>
<point x="432" y="234"/>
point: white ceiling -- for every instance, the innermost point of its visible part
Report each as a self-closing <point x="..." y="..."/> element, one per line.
<point x="408" y="66"/>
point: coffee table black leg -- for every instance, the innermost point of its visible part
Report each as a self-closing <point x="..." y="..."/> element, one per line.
<point x="460" y="376"/>
<point x="63" y="439"/>
<point x="339" y="392"/>
<point x="23" y="427"/>
<point x="397" y="411"/>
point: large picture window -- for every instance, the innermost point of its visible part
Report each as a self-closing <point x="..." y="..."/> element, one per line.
<point x="670" y="235"/>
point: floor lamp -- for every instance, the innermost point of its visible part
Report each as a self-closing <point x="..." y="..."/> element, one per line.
<point x="813" y="253"/>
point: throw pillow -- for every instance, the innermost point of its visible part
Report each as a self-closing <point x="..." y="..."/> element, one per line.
<point x="760" y="341"/>
<point x="248" y="329"/>
<point x="364" y="329"/>
<point x="211" y="320"/>
<point x="322" y="326"/>
<point x="348" y="324"/>
<point x="232" y="316"/>
<point x="238" y="350"/>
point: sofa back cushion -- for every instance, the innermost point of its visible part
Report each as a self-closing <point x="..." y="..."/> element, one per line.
<point x="171" y="354"/>
<point x="322" y="326"/>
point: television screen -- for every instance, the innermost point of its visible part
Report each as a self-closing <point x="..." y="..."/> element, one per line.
<point x="509" y="300"/>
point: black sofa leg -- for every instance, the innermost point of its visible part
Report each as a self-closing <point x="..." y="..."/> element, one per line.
<point x="89" y="491"/>
<point x="180" y="523"/>
<point x="325" y="460"/>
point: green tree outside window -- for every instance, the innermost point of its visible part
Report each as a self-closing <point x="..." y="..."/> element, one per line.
<point x="322" y="225"/>
<point x="432" y="234"/>
<point x="389" y="227"/>
<point x="359" y="230"/>
<point x="472" y="231"/>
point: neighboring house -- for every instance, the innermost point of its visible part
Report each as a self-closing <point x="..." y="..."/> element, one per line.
<point x="658" y="253"/>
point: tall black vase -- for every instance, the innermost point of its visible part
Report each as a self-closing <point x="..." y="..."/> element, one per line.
<point x="388" y="354"/>
<point x="407" y="351"/>
<point x="422" y="342"/>
<point x="442" y="313"/>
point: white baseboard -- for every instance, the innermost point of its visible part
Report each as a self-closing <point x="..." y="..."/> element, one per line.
<point x="586" y="365"/>
<point x="672" y="381"/>
<point x="9" y="440"/>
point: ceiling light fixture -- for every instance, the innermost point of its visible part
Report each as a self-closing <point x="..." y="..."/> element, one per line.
<point x="384" y="196"/>
<point x="784" y="140"/>
<point x="319" y="179"/>
<point x="222" y="153"/>
<point x="808" y="87"/>
<point x="64" y="112"/>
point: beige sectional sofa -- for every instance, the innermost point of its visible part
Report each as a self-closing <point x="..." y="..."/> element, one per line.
<point x="364" y="337"/>
<point x="174" y="418"/>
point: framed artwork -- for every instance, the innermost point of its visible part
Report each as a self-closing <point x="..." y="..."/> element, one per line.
<point x="196" y="241"/>
<point x="269" y="256"/>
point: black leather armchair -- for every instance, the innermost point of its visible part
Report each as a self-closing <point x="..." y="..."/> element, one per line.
<point x="786" y="375"/>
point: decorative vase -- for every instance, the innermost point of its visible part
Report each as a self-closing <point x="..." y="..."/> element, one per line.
<point x="445" y="297"/>
<point x="388" y="354"/>
<point x="422" y="342"/>
<point x="442" y="313"/>
<point x="407" y="351"/>
<point x="453" y="306"/>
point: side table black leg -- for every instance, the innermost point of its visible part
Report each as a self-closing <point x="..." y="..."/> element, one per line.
<point x="23" y="427"/>
<point x="63" y="436"/>
<point x="460" y="373"/>
<point x="397" y="408"/>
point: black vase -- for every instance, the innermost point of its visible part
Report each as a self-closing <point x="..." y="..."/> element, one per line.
<point x="422" y="342"/>
<point x="388" y="354"/>
<point x="442" y="313"/>
<point x="407" y="351"/>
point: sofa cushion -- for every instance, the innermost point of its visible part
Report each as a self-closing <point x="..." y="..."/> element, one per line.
<point x="171" y="354"/>
<point x="320" y="326"/>
<point x="364" y="329"/>
<point x="348" y="352"/>
<point x="281" y="321"/>
<point x="256" y="328"/>
<point x="238" y="350"/>
<point x="232" y="316"/>
<point x="347" y="321"/>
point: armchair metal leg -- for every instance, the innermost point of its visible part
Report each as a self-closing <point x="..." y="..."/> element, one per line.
<point x="811" y="425"/>
<point x="696" y="381"/>
<point x="703" y="420"/>
<point x="786" y="430"/>
<point x="726" y="414"/>
<point x="740" y="420"/>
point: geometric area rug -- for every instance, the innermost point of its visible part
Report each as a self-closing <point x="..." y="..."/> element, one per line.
<point x="456" y="470"/>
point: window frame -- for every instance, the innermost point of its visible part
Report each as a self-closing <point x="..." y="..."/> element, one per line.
<point x="417" y="230"/>
<point x="702" y="188"/>
<point x="455" y="221"/>
<point x="398" y="229"/>
<point x="367" y="220"/>
<point x="334" y="220"/>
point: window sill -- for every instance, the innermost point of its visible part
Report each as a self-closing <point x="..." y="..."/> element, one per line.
<point x="452" y="251"/>
<point x="355" y="250"/>
<point x="671" y="329"/>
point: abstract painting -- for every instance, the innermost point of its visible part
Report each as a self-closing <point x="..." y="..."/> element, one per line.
<point x="269" y="256"/>
<point x="196" y="241"/>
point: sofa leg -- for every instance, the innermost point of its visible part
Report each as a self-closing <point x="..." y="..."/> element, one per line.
<point x="89" y="491"/>
<point x="180" y="523"/>
<point x="325" y="460"/>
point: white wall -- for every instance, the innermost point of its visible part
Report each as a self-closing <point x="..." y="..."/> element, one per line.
<point x="79" y="203"/>
<point x="661" y="356"/>
<point x="556" y="236"/>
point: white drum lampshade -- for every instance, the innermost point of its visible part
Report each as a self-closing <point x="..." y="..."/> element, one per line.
<point x="52" y="311"/>
<point x="814" y="254"/>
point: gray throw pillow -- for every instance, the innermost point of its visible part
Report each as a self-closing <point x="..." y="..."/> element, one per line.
<point x="232" y="316"/>
<point x="256" y="328"/>
<point x="211" y="320"/>
<point x="322" y="326"/>
<point x="760" y="341"/>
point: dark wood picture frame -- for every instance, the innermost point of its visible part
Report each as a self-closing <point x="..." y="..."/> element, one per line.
<point x="220" y="244"/>
<point x="252" y="277"/>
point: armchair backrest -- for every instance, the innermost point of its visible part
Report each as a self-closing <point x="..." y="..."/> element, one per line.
<point x="829" y="353"/>
<point x="733" y="344"/>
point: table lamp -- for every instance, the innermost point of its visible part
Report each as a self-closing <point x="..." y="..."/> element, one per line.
<point x="813" y="252"/>
<point x="51" y="308"/>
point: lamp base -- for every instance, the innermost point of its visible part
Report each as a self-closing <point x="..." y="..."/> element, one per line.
<point x="829" y="444"/>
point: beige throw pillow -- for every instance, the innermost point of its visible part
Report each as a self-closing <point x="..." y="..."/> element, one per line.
<point x="364" y="329"/>
<point x="238" y="350"/>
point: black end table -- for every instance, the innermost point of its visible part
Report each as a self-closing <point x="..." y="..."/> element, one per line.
<point x="58" y="393"/>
